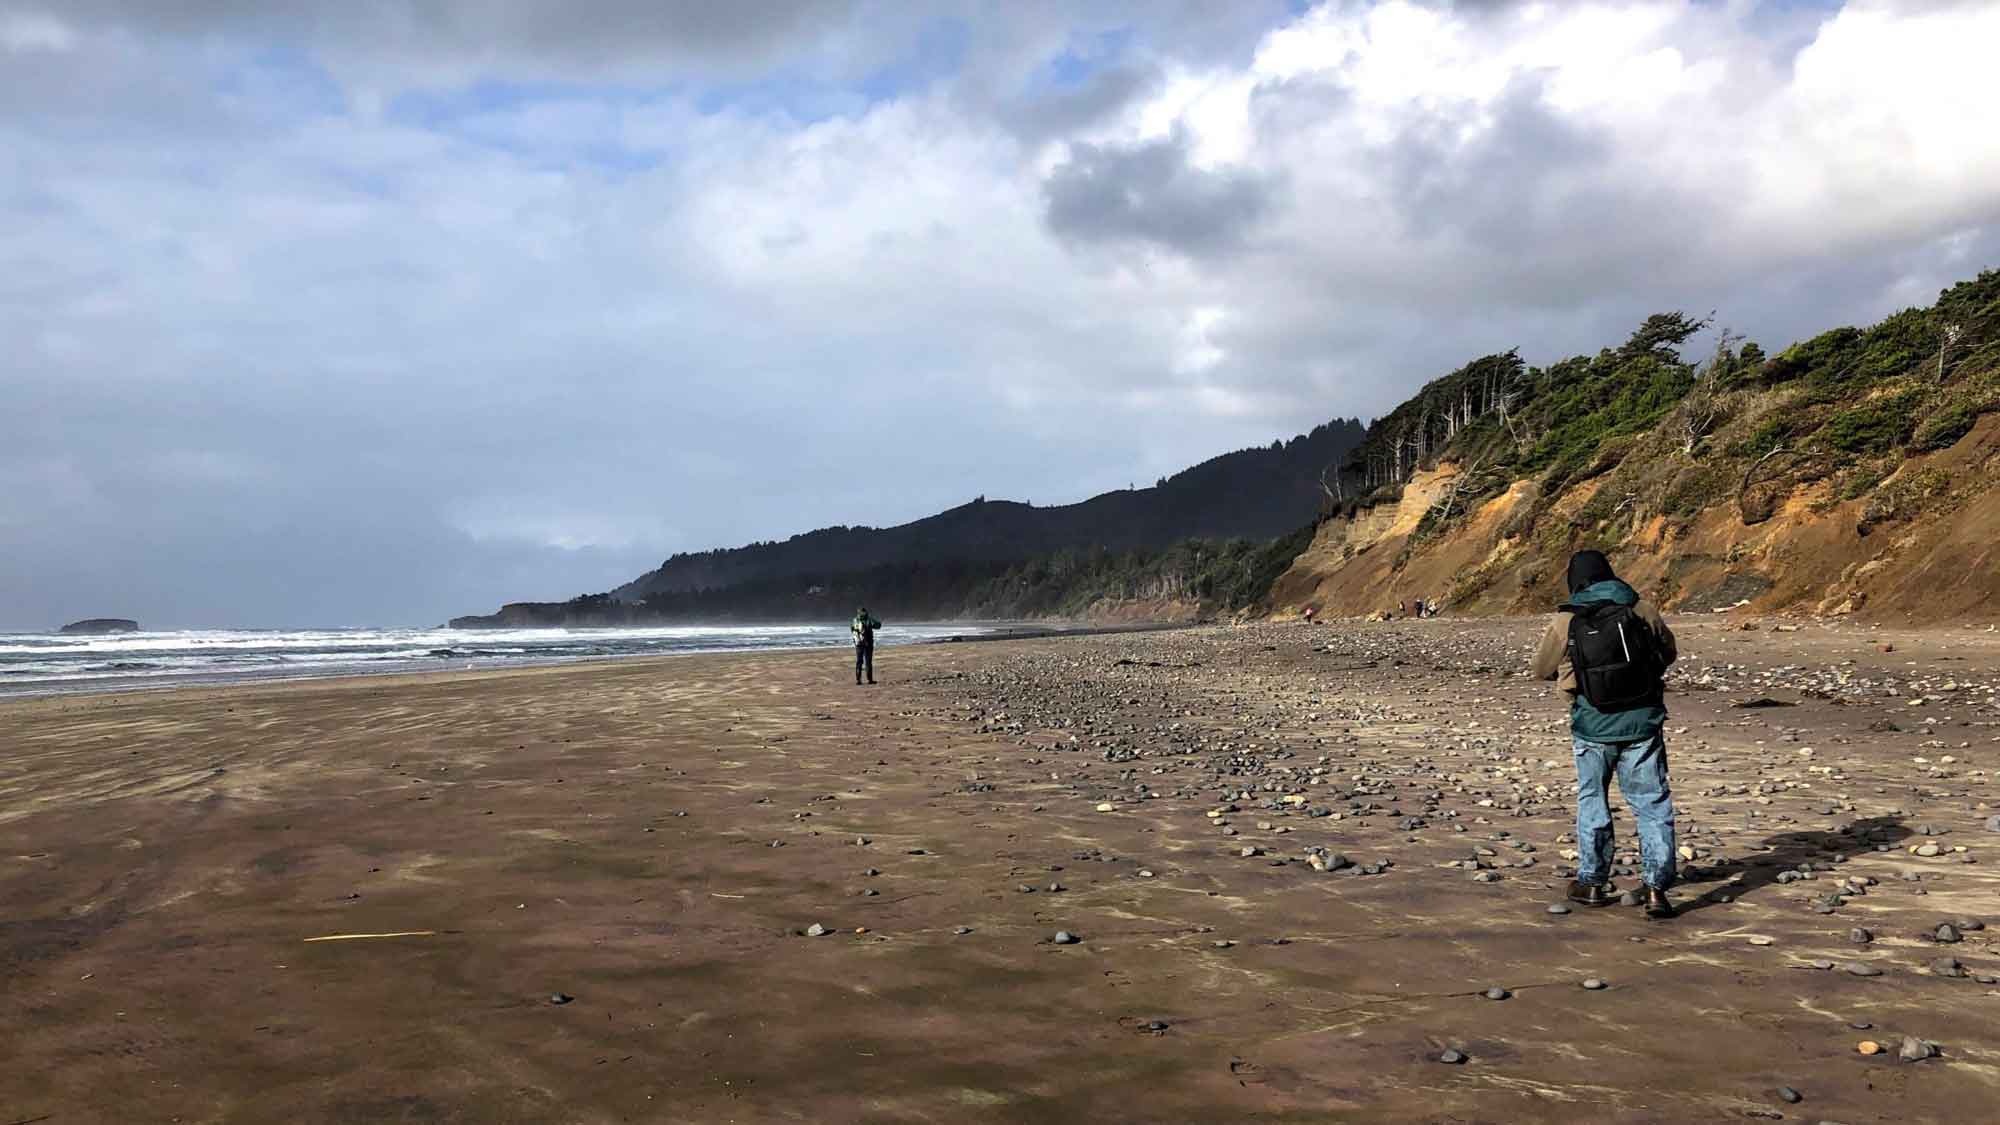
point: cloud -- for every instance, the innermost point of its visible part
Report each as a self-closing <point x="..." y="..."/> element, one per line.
<point x="1150" y="193"/>
<point x="390" y="311"/>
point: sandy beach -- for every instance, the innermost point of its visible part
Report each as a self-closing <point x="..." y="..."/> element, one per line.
<point x="602" y="878"/>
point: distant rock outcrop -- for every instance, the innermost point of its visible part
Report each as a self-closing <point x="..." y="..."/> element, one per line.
<point x="100" y="626"/>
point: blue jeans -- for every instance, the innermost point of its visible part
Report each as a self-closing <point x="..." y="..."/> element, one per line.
<point x="1642" y="777"/>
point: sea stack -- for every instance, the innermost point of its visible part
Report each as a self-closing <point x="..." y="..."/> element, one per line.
<point x="99" y="626"/>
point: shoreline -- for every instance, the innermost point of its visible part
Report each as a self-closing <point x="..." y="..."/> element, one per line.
<point x="210" y="681"/>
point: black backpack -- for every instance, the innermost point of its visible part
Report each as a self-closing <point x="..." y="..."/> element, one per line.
<point x="1616" y="658"/>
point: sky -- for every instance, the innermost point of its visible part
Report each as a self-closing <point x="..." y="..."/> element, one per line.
<point x="387" y="310"/>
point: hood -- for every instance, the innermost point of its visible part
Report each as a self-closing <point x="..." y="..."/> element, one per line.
<point x="1611" y="591"/>
<point x="1585" y="569"/>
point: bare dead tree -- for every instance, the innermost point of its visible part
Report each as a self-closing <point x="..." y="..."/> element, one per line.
<point x="1749" y="479"/>
<point x="1444" y="504"/>
<point x="1948" y="337"/>
<point x="1702" y="406"/>
<point x="1335" y="494"/>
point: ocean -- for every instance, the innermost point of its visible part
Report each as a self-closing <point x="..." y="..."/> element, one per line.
<point x="47" y="663"/>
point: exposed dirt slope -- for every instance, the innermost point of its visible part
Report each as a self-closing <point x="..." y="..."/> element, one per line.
<point x="1917" y="546"/>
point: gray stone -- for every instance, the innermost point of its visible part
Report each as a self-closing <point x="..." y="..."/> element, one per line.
<point x="1993" y="824"/>
<point x="1947" y="967"/>
<point x="1947" y="934"/>
<point x="1917" y="1050"/>
<point x="1593" y="984"/>
<point x="1497" y="994"/>
<point x="1064" y="937"/>
<point x="1452" y="1058"/>
<point x="1971" y="925"/>
<point x="1790" y="1096"/>
<point x="962" y="930"/>
<point x="817" y="930"/>
<point x="1860" y="936"/>
<point x="561" y="998"/>
<point x="1559" y="908"/>
<point x="1861" y="969"/>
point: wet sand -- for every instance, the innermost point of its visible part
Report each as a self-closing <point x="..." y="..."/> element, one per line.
<point x="650" y="838"/>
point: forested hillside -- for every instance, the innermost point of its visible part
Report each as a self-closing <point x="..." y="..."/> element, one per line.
<point x="1252" y="493"/>
<point x="1210" y="537"/>
<point x="1852" y="472"/>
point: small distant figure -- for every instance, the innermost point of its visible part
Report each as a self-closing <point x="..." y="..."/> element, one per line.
<point x="1308" y="614"/>
<point x="1608" y="649"/>
<point x="863" y="627"/>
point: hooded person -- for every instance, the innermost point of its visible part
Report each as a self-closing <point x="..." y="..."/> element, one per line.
<point x="863" y="627"/>
<point x="1608" y="650"/>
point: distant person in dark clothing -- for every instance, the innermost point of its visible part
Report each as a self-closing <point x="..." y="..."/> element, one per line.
<point x="1608" y="649"/>
<point x="863" y="627"/>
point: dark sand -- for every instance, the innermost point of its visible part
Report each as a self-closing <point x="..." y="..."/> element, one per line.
<point x="650" y="837"/>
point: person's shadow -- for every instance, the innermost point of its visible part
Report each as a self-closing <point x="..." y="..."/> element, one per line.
<point x="1789" y="850"/>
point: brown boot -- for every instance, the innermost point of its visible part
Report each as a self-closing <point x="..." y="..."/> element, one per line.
<point x="1658" y="906"/>
<point x="1591" y="894"/>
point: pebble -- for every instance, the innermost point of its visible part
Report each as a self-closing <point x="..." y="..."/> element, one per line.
<point x="1868" y="1047"/>
<point x="561" y="998"/>
<point x="1559" y="908"/>
<point x="1593" y="984"/>
<point x="817" y="930"/>
<point x="1862" y="969"/>
<point x="1157" y="1026"/>
<point x="1790" y="1096"/>
<point x="1916" y="1050"/>
<point x="1947" y="934"/>
<point x="1452" y="1058"/>
<point x="1497" y="994"/>
<point x="1993" y="824"/>
<point x="1947" y="967"/>
<point x="962" y="930"/>
<point x="1761" y="940"/>
<point x="1971" y="925"/>
<point x="1064" y="937"/>
<point x="1860" y="936"/>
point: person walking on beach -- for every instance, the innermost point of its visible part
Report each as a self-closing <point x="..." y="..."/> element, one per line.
<point x="1608" y="650"/>
<point x="863" y="627"/>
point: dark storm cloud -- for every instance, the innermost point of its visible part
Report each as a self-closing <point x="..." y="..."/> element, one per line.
<point x="1045" y="115"/>
<point x="1151" y="192"/>
<point x="602" y="31"/>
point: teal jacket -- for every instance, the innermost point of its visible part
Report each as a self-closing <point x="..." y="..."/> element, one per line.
<point x="1552" y="663"/>
<point x="863" y="627"/>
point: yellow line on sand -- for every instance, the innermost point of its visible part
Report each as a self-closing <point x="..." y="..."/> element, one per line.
<point x="358" y="937"/>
